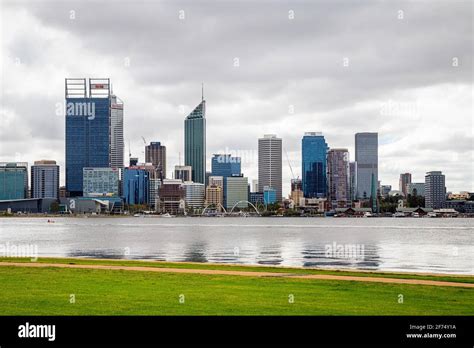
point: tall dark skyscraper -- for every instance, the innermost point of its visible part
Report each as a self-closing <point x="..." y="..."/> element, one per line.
<point x="155" y="153"/>
<point x="366" y="156"/>
<point x="195" y="142"/>
<point x="94" y="129"/>
<point x="314" y="156"/>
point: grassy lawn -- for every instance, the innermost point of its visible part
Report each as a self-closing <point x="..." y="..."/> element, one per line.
<point x="46" y="291"/>
<point x="161" y="264"/>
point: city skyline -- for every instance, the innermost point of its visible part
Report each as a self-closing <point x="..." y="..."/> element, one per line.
<point x="418" y="101"/>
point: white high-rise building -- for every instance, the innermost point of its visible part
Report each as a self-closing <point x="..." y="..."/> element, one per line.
<point x="195" y="194"/>
<point x="269" y="164"/>
<point x="116" y="132"/>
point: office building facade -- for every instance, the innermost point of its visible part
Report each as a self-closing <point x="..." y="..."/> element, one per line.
<point x="195" y="194"/>
<point x="314" y="157"/>
<point x="366" y="156"/>
<point x="100" y="182"/>
<point x="13" y="181"/>
<point x="136" y="186"/>
<point x="435" y="190"/>
<point x="270" y="164"/>
<point x="155" y="153"/>
<point x="338" y="178"/>
<point x="237" y="192"/>
<point x="405" y="179"/>
<point x="94" y="129"/>
<point x="45" y="179"/>
<point x="172" y="196"/>
<point x="195" y="142"/>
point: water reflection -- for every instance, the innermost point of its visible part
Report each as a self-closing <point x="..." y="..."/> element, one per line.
<point x="423" y="245"/>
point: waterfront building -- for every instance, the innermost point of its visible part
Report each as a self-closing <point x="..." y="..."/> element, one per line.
<point x="225" y="165"/>
<point x="214" y="196"/>
<point x="270" y="164"/>
<point x="154" y="191"/>
<point x="416" y="188"/>
<point x="256" y="198"/>
<point x="183" y="173"/>
<point x="195" y="142"/>
<point x="366" y="156"/>
<point x="195" y="193"/>
<point x="13" y="180"/>
<point x="100" y="182"/>
<point x="172" y="196"/>
<point x="94" y="129"/>
<point x="338" y="178"/>
<point x="269" y="195"/>
<point x="155" y="153"/>
<point x="237" y="192"/>
<point x="404" y="180"/>
<point x="435" y="190"/>
<point x="314" y="157"/>
<point x="135" y="184"/>
<point x="45" y="179"/>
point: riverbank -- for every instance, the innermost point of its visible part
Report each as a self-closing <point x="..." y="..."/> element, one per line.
<point x="109" y="287"/>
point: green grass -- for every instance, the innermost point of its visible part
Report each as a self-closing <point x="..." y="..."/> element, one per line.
<point x="46" y="291"/>
<point x="161" y="264"/>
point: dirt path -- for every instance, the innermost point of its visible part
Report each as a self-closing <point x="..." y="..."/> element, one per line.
<point x="244" y="273"/>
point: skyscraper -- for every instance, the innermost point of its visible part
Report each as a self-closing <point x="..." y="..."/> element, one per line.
<point x="338" y="178"/>
<point x="269" y="164"/>
<point x="353" y="179"/>
<point x="195" y="142"/>
<point x="366" y="156"/>
<point x="94" y="129"/>
<point x="405" y="179"/>
<point x="13" y="180"/>
<point x="155" y="153"/>
<point x="314" y="154"/>
<point x="435" y="190"/>
<point x="45" y="179"/>
<point x="116" y="142"/>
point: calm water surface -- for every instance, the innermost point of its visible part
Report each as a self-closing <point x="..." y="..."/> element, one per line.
<point x="395" y="244"/>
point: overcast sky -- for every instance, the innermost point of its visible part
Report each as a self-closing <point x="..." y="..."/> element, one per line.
<point x="402" y="69"/>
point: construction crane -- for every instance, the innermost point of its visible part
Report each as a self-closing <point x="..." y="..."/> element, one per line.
<point x="289" y="164"/>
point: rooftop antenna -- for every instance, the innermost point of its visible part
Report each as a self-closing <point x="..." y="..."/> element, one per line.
<point x="202" y="91"/>
<point x="180" y="158"/>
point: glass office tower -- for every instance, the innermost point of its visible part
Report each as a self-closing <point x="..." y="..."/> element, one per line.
<point x="366" y="156"/>
<point x="94" y="130"/>
<point x="195" y="142"/>
<point x="314" y="155"/>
